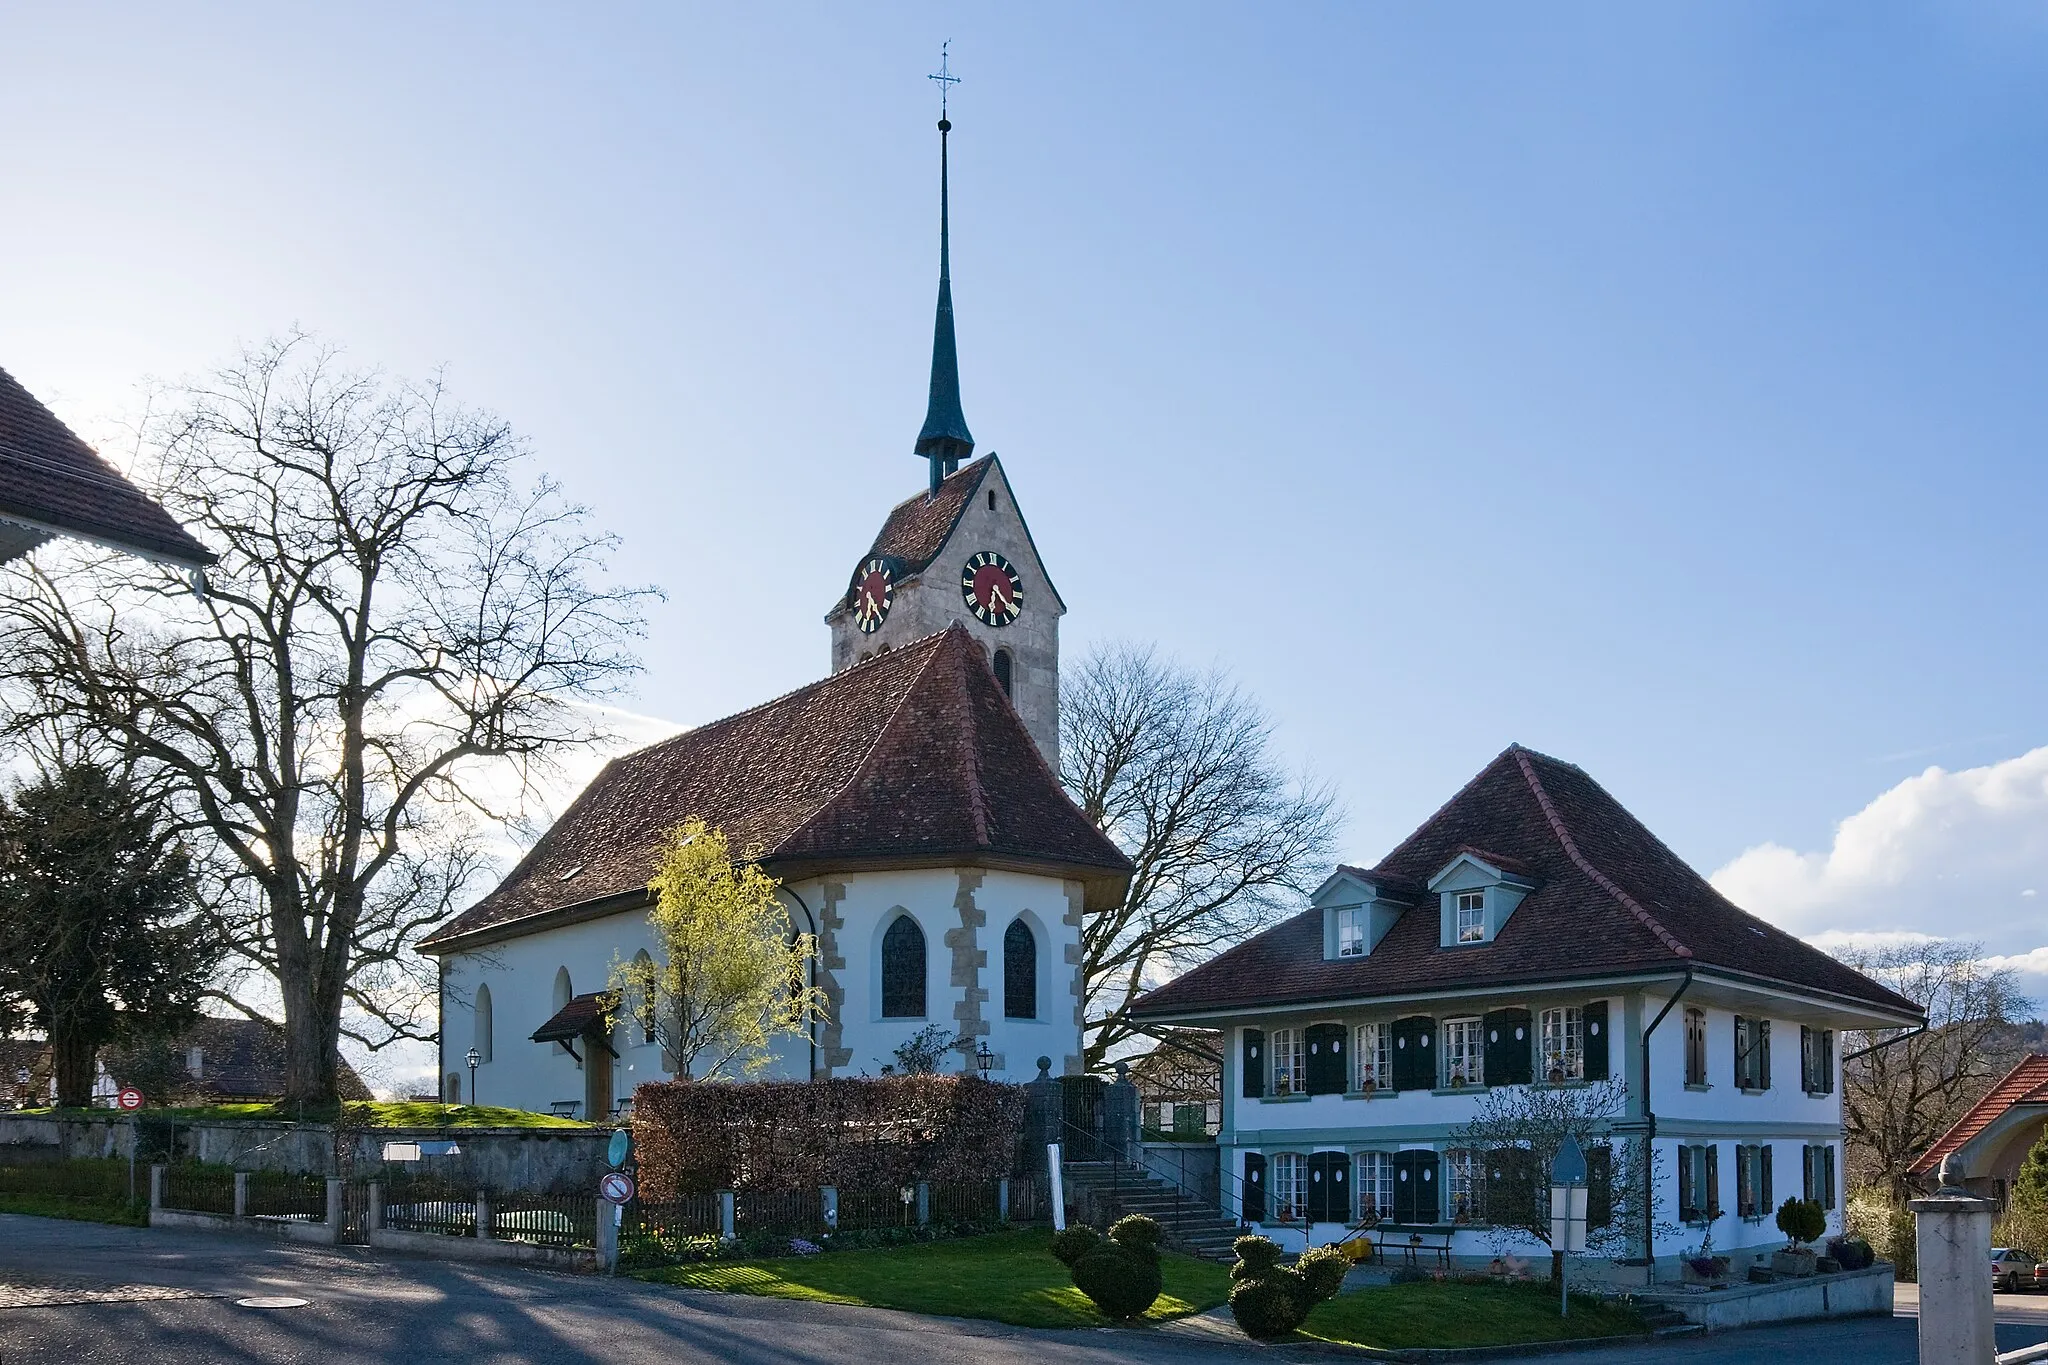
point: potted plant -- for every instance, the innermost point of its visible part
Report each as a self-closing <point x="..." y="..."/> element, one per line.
<point x="1702" y="1265"/>
<point x="1802" y="1221"/>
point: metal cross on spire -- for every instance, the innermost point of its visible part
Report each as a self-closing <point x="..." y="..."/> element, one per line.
<point x="944" y="76"/>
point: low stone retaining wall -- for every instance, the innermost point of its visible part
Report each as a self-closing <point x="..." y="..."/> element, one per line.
<point x="1847" y="1294"/>
<point x="294" y="1230"/>
<point x="481" y="1249"/>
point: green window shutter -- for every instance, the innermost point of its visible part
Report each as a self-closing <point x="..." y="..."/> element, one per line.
<point x="1252" y="1200"/>
<point x="1763" y="1054"/>
<point x="1741" y="1052"/>
<point x="1596" y="1041"/>
<point x="1827" y="1061"/>
<point x="1510" y="1050"/>
<point x="1764" y="1203"/>
<point x="1326" y="1058"/>
<point x="1254" y="1064"/>
<point x="1806" y="1066"/>
<point x="1806" y="1172"/>
<point x="1414" y="1053"/>
<point x="1599" y="1187"/>
<point x="1713" y="1204"/>
<point x="1827" y="1181"/>
<point x="1329" y="1188"/>
<point x="1687" y="1209"/>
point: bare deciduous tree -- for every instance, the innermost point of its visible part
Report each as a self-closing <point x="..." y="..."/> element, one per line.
<point x="394" y="625"/>
<point x="1898" y="1100"/>
<point x="1177" y="768"/>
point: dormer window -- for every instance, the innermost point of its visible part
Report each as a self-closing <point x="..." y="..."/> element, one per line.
<point x="1471" y="910"/>
<point x="1351" y="932"/>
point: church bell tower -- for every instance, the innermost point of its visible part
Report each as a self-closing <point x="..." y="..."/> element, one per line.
<point x="959" y="551"/>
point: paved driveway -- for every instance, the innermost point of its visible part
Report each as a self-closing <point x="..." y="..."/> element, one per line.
<point x="109" y="1296"/>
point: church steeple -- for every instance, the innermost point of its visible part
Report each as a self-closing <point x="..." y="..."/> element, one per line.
<point x="945" y="440"/>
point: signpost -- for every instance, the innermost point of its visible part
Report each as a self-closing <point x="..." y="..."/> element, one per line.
<point x="616" y="1188"/>
<point x="130" y="1100"/>
<point x="1567" y="1213"/>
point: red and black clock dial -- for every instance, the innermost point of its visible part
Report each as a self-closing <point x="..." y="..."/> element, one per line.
<point x="874" y="589"/>
<point x="991" y="589"/>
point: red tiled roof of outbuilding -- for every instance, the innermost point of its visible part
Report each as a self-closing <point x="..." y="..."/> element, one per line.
<point x="1610" y="897"/>
<point x="914" y="757"/>
<point x="2026" y="1083"/>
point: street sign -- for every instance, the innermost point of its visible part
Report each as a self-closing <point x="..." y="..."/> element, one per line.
<point x="1568" y="1167"/>
<point x="616" y="1187"/>
<point x="1567" y="1218"/>
<point x="621" y="1147"/>
<point x="131" y="1098"/>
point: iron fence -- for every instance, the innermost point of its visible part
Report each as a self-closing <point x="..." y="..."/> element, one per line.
<point x="549" y="1220"/>
<point x="430" y="1206"/>
<point x="862" y="1210"/>
<point x="790" y="1211"/>
<point x="93" y="1179"/>
<point x="193" y="1188"/>
<point x="972" y="1201"/>
<point x="658" y="1233"/>
<point x="296" y="1197"/>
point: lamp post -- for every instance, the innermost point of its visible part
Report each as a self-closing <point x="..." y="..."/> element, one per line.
<point x="983" y="1058"/>
<point x="472" y="1057"/>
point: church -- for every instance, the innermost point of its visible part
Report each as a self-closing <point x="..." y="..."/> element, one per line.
<point x="909" y="804"/>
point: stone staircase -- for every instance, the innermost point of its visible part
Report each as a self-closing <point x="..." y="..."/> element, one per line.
<point x="1186" y="1223"/>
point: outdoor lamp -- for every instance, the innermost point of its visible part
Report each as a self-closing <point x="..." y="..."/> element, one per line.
<point x="984" y="1059"/>
<point x="473" y="1057"/>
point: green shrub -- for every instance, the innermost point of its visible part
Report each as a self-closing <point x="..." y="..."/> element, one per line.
<point x="1409" y="1274"/>
<point x="1852" y="1253"/>
<point x="1265" y="1307"/>
<point x="1071" y="1244"/>
<point x="1122" y="1283"/>
<point x="1136" y="1232"/>
<point x="1270" y="1300"/>
<point x="1323" y="1270"/>
<point x="1801" y="1219"/>
<point x="1255" y="1256"/>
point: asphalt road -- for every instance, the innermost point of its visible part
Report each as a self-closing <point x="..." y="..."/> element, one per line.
<point x="398" y="1309"/>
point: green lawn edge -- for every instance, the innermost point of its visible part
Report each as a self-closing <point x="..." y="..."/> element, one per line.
<point x="364" y="1113"/>
<point x="1450" y="1315"/>
<point x="123" y="1214"/>
<point x="1007" y="1277"/>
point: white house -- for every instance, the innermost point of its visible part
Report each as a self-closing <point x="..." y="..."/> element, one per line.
<point x="1531" y="932"/>
<point x="908" y="803"/>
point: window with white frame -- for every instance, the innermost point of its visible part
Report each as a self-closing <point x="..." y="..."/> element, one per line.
<point x="1564" y="1044"/>
<point x="1463" y="1058"/>
<point x="1288" y="1174"/>
<point x="1464" y="1186"/>
<point x="1470" y="908"/>
<point x="1290" y="1064"/>
<point x="1375" y="1184"/>
<point x="1351" y="932"/>
<point x="1373" y="1053"/>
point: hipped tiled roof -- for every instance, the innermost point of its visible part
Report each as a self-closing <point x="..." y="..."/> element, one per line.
<point x="1609" y="898"/>
<point x="917" y="527"/>
<point x="911" y="758"/>
<point x="2026" y="1083"/>
<point x="51" y="478"/>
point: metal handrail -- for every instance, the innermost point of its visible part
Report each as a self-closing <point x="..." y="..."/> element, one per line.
<point x="1185" y="1198"/>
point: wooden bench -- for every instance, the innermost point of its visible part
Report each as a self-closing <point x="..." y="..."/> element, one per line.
<point x="565" y="1109"/>
<point x="1417" y="1245"/>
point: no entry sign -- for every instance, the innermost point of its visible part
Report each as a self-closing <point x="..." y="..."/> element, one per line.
<point x="131" y="1098"/>
<point x="616" y="1187"/>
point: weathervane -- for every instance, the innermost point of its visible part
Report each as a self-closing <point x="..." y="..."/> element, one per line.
<point x="945" y="77"/>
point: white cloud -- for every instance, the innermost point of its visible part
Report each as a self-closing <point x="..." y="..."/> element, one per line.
<point x="1940" y="855"/>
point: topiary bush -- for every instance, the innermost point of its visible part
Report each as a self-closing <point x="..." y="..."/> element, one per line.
<point x="1071" y="1244"/>
<point x="1121" y="1275"/>
<point x="1852" y="1253"/>
<point x="1801" y="1220"/>
<point x="1270" y="1300"/>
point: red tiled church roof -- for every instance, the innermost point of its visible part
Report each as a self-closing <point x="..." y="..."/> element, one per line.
<point x="2026" y="1083"/>
<point x="917" y="527"/>
<point x="914" y="757"/>
<point x="56" y="482"/>
<point x="1609" y="897"/>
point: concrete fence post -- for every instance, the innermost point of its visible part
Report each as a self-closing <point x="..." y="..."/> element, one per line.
<point x="608" y="1220"/>
<point x="156" y="1187"/>
<point x="241" y="1194"/>
<point x="726" y="1215"/>
<point x="1952" y="1237"/>
<point x="1003" y="1200"/>
<point x="828" y="1202"/>
<point x="485" y="1225"/>
<point x="335" y="1214"/>
<point x="924" y="1202"/>
<point x="373" y="1215"/>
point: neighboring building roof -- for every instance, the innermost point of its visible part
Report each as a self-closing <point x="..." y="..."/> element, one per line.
<point x="53" y="483"/>
<point x="2026" y="1083"/>
<point x="239" y="1060"/>
<point x="1609" y="898"/>
<point x="583" y="1014"/>
<point x="912" y="758"/>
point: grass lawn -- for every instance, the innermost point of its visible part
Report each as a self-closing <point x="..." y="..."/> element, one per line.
<point x="1447" y="1314"/>
<point x="135" y="1215"/>
<point x="371" y="1113"/>
<point x="1008" y="1276"/>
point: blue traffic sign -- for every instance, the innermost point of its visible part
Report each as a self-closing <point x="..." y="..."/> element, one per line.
<point x="621" y="1147"/>
<point x="1568" y="1167"/>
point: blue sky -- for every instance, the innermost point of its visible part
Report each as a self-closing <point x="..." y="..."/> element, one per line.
<point x="1657" y="386"/>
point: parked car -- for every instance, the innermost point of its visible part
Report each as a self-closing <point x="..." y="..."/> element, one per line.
<point x="2010" y="1268"/>
<point x="2041" y="1277"/>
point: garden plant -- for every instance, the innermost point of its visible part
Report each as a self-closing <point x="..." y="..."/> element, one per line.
<point x="1270" y="1300"/>
<point x="1119" y="1273"/>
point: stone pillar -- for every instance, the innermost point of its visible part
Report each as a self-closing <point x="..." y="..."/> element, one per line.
<point x="156" y="1187"/>
<point x="1120" y="1115"/>
<point x="608" y="1221"/>
<point x="373" y="1216"/>
<point x="727" y="1219"/>
<point x="828" y="1201"/>
<point x="241" y="1194"/>
<point x="485" y="1219"/>
<point x="1041" y="1110"/>
<point x="1003" y="1200"/>
<point x="1952" y="1236"/>
<point x="335" y="1213"/>
<point x="924" y="1202"/>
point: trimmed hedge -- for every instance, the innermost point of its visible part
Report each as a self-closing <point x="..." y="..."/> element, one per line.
<point x="855" y="1133"/>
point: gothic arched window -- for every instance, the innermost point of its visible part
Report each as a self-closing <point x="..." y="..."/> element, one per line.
<point x="483" y="1023"/>
<point x="903" y="970"/>
<point x="1003" y="673"/>
<point x="1020" y="971"/>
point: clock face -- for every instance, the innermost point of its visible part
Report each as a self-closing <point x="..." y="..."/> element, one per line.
<point x="874" y="589"/>
<point x="991" y="589"/>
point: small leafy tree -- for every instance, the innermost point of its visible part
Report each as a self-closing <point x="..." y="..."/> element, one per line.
<point x="1801" y="1220"/>
<point x="2026" y="1209"/>
<point x="731" y="978"/>
<point x="98" y="933"/>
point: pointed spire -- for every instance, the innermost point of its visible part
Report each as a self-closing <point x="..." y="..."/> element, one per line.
<point x="945" y="440"/>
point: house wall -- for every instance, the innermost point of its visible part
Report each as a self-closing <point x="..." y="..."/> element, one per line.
<point x="1784" y="1117"/>
<point x="963" y="914"/>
